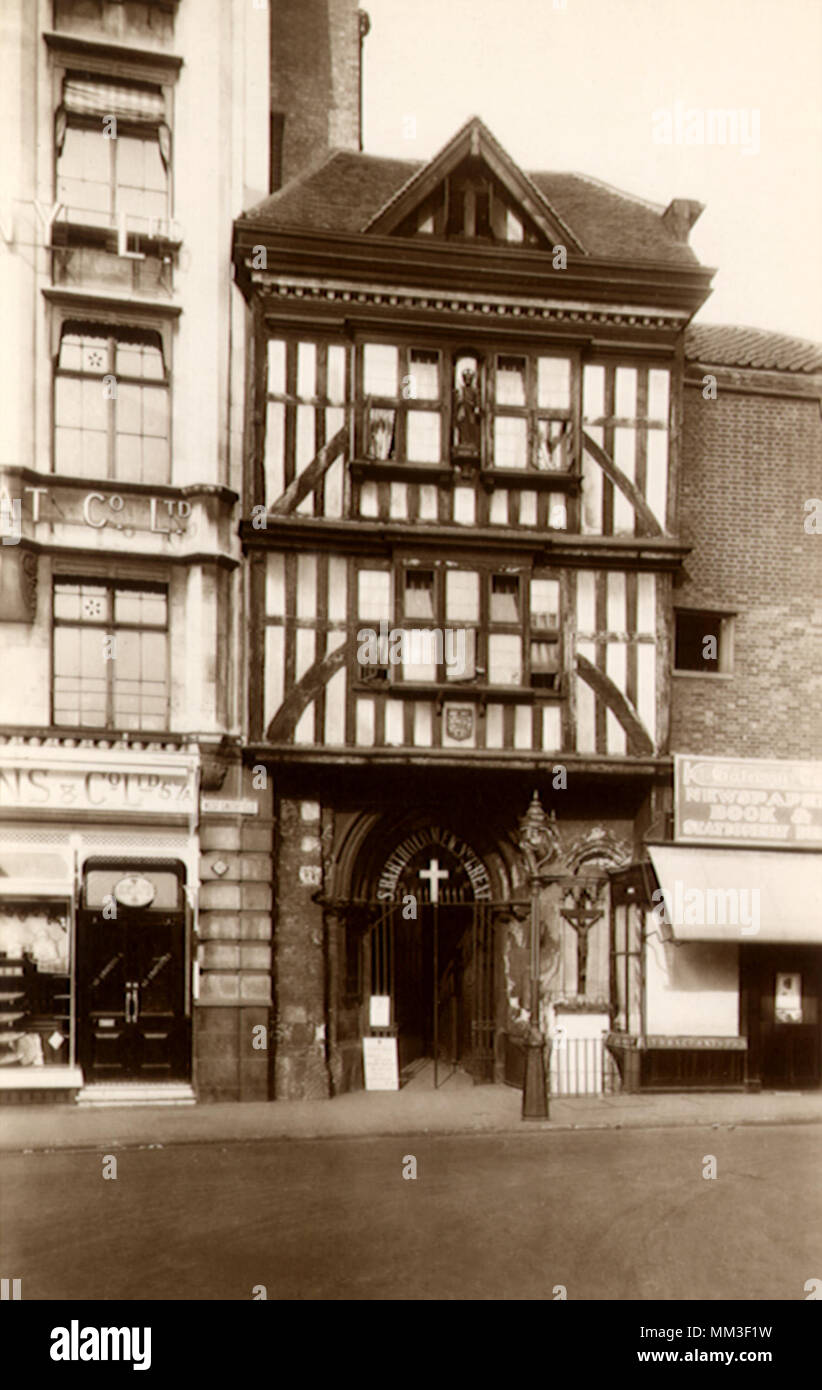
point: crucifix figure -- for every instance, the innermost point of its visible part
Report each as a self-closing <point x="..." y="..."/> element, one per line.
<point x="434" y="873"/>
<point x="581" y="919"/>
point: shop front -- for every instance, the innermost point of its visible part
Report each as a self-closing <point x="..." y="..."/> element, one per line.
<point x="98" y="876"/>
<point x="717" y="939"/>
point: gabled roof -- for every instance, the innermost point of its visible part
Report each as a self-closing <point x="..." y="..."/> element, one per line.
<point x="730" y="345"/>
<point x="349" y="192"/>
<point x="476" y="141"/>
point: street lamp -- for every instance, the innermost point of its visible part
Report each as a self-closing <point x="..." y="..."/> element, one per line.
<point x="538" y="844"/>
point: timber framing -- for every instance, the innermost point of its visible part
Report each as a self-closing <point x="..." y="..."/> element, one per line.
<point x="364" y="537"/>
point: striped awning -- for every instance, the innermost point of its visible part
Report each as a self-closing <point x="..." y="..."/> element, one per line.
<point x="142" y="104"/>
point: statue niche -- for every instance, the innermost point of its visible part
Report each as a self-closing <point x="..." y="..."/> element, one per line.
<point x="467" y="412"/>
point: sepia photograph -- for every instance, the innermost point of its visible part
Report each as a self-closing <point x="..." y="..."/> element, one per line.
<point x="411" y="665"/>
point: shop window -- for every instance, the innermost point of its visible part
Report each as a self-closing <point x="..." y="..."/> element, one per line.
<point x="111" y="404"/>
<point x="110" y="655"/>
<point x="35" y="984"/>
<point x="113" y="153"/>
<point x="703" y="642"/>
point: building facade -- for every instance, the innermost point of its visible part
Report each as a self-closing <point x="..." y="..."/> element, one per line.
<point x="135" y="905"/>
<point x="461" y="520"/>
<point x="319" y="559"/>
<point x="729" y="973"/>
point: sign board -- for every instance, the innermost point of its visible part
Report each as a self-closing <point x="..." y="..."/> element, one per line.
<point x="226" y="806"/>
<point x="748" y="801"/>
<point x="48" y="780"/>
<point x="382" y="1071"/>
<point x="379" y="1013"/>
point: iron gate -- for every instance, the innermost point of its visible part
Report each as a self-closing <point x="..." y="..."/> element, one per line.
<point x="437" y="970"/>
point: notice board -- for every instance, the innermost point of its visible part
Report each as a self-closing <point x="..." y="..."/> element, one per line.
<point x="380" y="1064"/>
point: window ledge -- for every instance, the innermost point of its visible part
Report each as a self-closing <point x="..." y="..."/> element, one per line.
<point x="710" y="675"/>
<point x="456" y="474"/>
<point x="534" y="480"/>
<point x="101" y="302"/>
<point x="71" y="44"/>
<point x="71" y="234"/>
<point x="395" y="471"/>
<point x="475" y="694"/>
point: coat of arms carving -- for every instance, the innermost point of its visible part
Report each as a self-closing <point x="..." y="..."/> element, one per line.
<point x="459" y="722"/>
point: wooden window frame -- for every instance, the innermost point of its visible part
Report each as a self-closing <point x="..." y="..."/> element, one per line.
<point x="450" y="349"/>
<point x="401" y="405"/>
<point x="724" y="619"/>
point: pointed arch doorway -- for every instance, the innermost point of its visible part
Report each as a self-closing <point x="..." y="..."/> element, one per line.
<point x="428" y="956"/>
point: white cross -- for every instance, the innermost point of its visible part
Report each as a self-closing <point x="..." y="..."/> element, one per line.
<point x="434" y="873"/>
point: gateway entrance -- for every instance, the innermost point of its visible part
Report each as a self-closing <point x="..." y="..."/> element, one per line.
<point x="781" y="988"/>
<point x="436" y="974"/>
<point x="131" y="933"/>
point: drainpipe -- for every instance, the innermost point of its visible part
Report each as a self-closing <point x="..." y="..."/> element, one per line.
<point x="364" y="29"/>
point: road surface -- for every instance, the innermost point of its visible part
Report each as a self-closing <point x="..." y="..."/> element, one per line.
<point x="599" y="1214"/>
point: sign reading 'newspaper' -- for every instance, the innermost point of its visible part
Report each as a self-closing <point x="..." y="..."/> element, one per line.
<point x="747" y="801"/>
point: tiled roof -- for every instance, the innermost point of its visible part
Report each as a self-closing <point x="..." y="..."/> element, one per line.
<point x="348" y="189"/>
<point x="728" y="345"/>
<point x="340" y="195"/>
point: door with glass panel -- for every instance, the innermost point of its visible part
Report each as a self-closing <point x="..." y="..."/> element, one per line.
<point x="133" y="1023"/>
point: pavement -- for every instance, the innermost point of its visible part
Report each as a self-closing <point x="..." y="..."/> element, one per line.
<point x="455" y="1108"/>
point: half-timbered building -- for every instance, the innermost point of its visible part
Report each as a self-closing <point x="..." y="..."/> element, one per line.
<point x="460" y="523"/>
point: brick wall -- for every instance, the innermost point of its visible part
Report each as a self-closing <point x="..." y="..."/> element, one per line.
<point x="749" y="463"/>
<point x="315" y="72"/>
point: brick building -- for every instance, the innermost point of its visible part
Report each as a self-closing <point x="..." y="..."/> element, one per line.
<point x="732" y="986"/>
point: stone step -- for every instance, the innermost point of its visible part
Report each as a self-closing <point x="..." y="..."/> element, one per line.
<point x="100" y="1095"/>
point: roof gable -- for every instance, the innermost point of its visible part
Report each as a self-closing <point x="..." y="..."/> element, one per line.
<point x="472" y="190"/>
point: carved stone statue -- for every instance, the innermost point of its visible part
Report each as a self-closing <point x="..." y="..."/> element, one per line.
<point x="467" y="413"/>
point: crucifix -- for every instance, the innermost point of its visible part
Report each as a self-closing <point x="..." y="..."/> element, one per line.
<point x="434" y="873"/>
<point x="581" y="919"/>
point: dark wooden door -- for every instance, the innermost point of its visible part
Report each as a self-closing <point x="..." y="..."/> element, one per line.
<point x="131" y="996"/>
<point x="783" y="1031"/>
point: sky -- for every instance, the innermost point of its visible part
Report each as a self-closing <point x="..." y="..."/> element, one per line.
<point x="621" y="90"/>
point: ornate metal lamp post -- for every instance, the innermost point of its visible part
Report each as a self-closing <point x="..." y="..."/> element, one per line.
<point x="538" y="844"/>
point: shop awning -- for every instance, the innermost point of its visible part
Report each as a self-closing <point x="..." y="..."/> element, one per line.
<point x="723" y="894"/>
